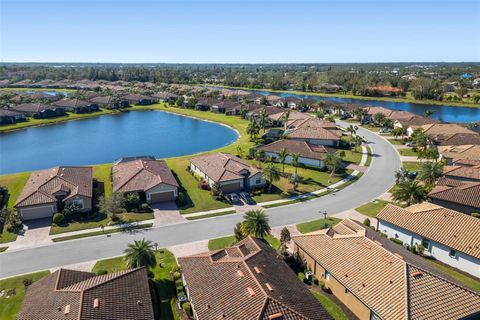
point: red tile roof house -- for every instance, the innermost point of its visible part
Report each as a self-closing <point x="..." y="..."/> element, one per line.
<point x="151" y="178"/>
<point x="449" y="236"/>
<point x="76" y="105"/>
<point x="39" y="110"/>
<point x="110" y="102"/>
<point x="10" y="117"/>
<point x="48" y="191"/>
<point x="232" y="173"/>
<point x="139" y="99"/>
<point x="77" y="295"/>
<point x="310" y="155"/>
<point x="315" y="135"/>
<point x="461" y="196"/>
<point x="246" y="281"/>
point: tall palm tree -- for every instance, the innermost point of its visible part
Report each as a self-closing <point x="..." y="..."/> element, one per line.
<point x="295" y="161"/>
<point x="140" y="253"/>
<point x="282" y="158"/>
<point x="256" y="223"/>
<point x="271" y="174"/>
<point x="262" y="117"/>
<point x="332" y="162"/>
<point x="409" y="192"/>
<point x="430" y="171"/>
<point x="260" y="154"/>
<point x="285" y="118"/>
<point x="252" y="129"/>
<point x="423" y="140"/>
<point x="352" y="130"/>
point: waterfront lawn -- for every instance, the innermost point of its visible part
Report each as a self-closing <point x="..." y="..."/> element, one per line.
<point x="11" y="306"/>
<point x="408" y="152"/>
<point x="372" y="208"/>
<point x="165" y="286"/>
<point x="333" y="310"/>
<point x="221" y="243"/>
<point x="316" y="225"/>
<point x="14" y="183"/>
<point x="101" y="173"/>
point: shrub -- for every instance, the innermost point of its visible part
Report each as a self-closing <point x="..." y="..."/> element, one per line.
<point x="366" y="222"/>
<point x="178" y="282"/>
<point x="180" y="198"/>
<point x="101" y="272"/>
<point x="144" y="207"/>
<point x="476" y="214"/>
<point x="179" y="289"/>
<point x="176" y="275"/>
<point x="26" y="282"/>
<point x="132" y="198"/>
<point x="315" y="280"/>
<point x="397" y="241"/>
<point x="71" y="209"/>
<point x="58" y="218"/>
<point x="301" y="276"/>
<point x="187" y="308"/>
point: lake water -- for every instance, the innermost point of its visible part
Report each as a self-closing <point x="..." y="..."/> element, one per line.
<point x="106" y="138"/>
<point x="444" y="113"/>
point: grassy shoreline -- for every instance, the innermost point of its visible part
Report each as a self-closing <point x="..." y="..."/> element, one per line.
<point x="351" y="96"/>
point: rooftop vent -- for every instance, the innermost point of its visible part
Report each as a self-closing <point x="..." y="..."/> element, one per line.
<point x="250" y="292"/>
<point x="67" y="309"/>
<point x="140" y="302"/>
<point x="387" y="259"/>
<point x="269" y="287"/>
<point x="257" y="270"/>
<point x="240" y="273"/>
<point x="96" y="303"/>
<point x="366" y="245"/>
<point x="275" y="316"/>
<point x="416" y="274"/>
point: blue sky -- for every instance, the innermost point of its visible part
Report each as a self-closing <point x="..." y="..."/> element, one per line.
<point x="239" y="31"/>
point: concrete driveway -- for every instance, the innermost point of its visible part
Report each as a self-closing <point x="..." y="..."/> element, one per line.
<point x="166" y="213"/>
<point x="35" y="233"/>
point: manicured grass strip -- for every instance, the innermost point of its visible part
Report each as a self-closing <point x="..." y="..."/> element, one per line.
<point x="334" y="310"/>
<point x="467" y="281"/>
<point x="167" y="309"/>
<point x="99" y="233"/>
<point x="11" y="306"/>
<point x="369" y="157"/>
<point x="372" y="208"/>
<point x="218" y="214"/>
<point x="396" y="142"/>
<point x="2" y="249"/>
<point x="411" y="165"/>
<point x="408" y="152"/>
<point x="7" y="236"/>
<point x="279" y="204"/>
<point x="221" y="243"/>
<point x="316" y="225"/>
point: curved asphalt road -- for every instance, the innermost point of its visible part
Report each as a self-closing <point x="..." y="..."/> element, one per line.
<point x="377" y="180"/>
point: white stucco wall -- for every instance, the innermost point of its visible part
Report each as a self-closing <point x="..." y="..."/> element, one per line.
<point x="306" y="161"/>
<point x="440" y="252"/>
<point x="210" y="181"/>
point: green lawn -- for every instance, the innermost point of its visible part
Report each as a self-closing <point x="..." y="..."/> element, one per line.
<point x="369" y="157"/>
<point x="372" y="208"/>
<point x="220" y="243"/>
<point x="408" y="152"/>
<point x="467" y="281"/>
<point x="334" y="310"/>
<point x="162" y="280"/>
<point x="14" y="182"/>
<point x="6" y="236"/>
<point x="101" y="173"/>
<point x="211" y="215"/>
<point x="316" y="225"/>
<point x="396" y="142"/>
<point x="99" y="233"/>
<point x="411" y="165"/>
<point x="351" y="156"/>
<point x="11" y="306"/>
<point x="97" y="221"/>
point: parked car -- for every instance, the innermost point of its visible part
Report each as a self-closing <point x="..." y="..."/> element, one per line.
<point x="411" y="144"/>
<point x="233" y="198"/>
<point x="385" y="130"/>
<point x="246" y="197"/>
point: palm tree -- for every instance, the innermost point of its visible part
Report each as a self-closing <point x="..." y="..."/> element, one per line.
<point x="332" y="162"/>
<point x="320" y="114"/>
<point x="430" y="153"/>
<point x="295" y="179"/>
<point x="352" y="130"/>
<point x="140" y="253"/>
<point x="295" y="161"/>
<point x="284" y="119"/>
<point x="409" y="192"/>
<point x="358" y="142"/>
<point x="396" y="132"/>
<point x="429" y="172"/>
<point x="271" y="174"/>
<point x="256" y="223"/>
<point x="423" y="140"/>
<point x="379" y="119"/>
<point x="252" y="129"/>
<point x="259" y="154"/>
<point x="262" y="117"/>
<point x="282" y="157"/>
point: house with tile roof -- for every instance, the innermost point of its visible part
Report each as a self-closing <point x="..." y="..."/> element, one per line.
<point x="76" y="105"/>
<point x="375" y="283"/>
<point x="230" y="172"/>
<point x="449" y="236"/>
<point x="315" y="135"/>
<point x="152" y="179"/>
<point x="77" y="295"/>
<point x="460" y="152"/>
<point x="139" y="99"/>
<point x="463" y="172"/>
<point x="39" y="110"/>
<point x="49" y="191"/>
<point x="461" y="196"/>
<point x="310" y="155"/>
<point x="247" y="281"/>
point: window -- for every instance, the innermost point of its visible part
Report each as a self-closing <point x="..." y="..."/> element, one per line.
<point x="327" y="275"/>
<point x="374" y="316"/>
<point x="426" y="244"/>
<point x="346" y="291"/>
<point x="258" y="181"/>
<point x="78" y="203"/>
<point x="452" y="253"/>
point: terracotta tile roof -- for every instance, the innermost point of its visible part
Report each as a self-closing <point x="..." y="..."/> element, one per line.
<point x="42" y="185"/>
<point x="377" y="277"/>
<point x="459" y="139"/>
<point x="71" y="103"/>
<point x="32" y="107"/>
<point x="466" y="152"/>
<point x="253" y="283"/>
<point x="311" y="123"/>
<point x="415" y="120"/>
<point x="374" y="110"/>
<point x="467" y="172"/>
<point x="448" y="227"/>
<point x="121" y="295"/>
<point x="293" y="146"/>
<point x="141" y="175"/>
<point x="224" y="167"/>
<point x="292" y="116"/>
<point x="444" y="129"/>
<point x="314" y="133"/>
<point x="466" y="193"/>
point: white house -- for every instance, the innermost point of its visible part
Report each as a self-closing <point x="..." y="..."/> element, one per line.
<point x="449" y="236"/>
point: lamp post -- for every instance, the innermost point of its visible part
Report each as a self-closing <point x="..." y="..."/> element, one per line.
<point x="156" y="246"/>
<point x="324" y="212"/>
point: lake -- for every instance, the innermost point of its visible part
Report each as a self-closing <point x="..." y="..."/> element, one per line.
<point x="106" y="138"/>
<point x="444" y="113"/>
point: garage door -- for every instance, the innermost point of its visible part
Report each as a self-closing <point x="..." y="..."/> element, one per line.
<point x="36" y="212"/>
<point x="162" y="197"/>
<point x="231" y="187"/>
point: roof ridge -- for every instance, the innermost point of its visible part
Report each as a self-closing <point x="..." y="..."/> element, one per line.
<point x="118" y="275"/>
<point x="133" y="176"/>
